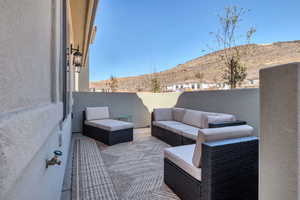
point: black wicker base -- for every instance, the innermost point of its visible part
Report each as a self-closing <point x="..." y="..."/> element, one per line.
<point x="183" y="185"/>
<point x="229" y="172"/>
<point x="170" y="137"/>
<point x="186" y="141"/>
<point x="167" y="136"/>
<point x="107" y="137"/>
<point x="230" y="169"/>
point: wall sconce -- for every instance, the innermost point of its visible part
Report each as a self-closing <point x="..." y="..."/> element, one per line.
<point x="77" y="59"/>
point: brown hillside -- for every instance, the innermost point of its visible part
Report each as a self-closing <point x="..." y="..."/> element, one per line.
<point x="264" y="55"/>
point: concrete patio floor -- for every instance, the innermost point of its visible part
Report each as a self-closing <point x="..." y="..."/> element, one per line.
<point x="124" y="171"/>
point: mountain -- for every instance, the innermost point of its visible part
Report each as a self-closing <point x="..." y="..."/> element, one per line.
<point x="264" y="55"/>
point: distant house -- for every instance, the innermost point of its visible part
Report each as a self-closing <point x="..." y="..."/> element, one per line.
<point x="194" y="85"/>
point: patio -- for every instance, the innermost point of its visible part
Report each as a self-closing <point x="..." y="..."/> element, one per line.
<point x="135" y="170"/>
<point x="131" y="170"/>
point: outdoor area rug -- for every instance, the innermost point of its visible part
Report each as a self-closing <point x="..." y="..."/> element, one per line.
<point x="127" y="171"/>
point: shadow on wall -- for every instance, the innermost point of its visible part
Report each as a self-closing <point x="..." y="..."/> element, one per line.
<point x="244" y="103"/>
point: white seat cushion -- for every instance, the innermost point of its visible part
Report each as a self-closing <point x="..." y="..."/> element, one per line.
<point x="190" y="133"/>
<point x="109" y="124"/>
<point x="175" y="127"/>
<point x="182" y="156"/>
<point x="93" y="113"/>
<point x="195" y="118"/>
<point x="164" y="124"/>
<point x="163" y="114"/>
<point x="216" y="134"/>
<point x="178" y="114"/>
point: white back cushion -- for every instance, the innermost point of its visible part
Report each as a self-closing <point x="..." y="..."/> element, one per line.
<point x="178" y="114"/>
<point x="221" y="118"/>
<point x="163" y="114"/>
<point x="93" y="113"/>
<point x="195" y="118"/>
<point x="215" y="134"/>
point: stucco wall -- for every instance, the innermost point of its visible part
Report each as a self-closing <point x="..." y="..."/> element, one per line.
<point x="30" y="111"/>
<point x="243" y="103"/>
<point x="83" y="79"/>
<point x="279" y="141"/>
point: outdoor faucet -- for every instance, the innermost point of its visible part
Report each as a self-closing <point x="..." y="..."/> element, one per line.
<point x="54" y="160"/>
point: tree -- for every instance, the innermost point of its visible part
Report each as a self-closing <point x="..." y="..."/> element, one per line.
<point x="155" y="84"/>
<point x="228" y="39"/>
<point x="113" y="84"/>
<point x="199" y="76"/>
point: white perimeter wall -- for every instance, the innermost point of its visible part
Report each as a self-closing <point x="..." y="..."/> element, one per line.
<point x="244" y="103"/>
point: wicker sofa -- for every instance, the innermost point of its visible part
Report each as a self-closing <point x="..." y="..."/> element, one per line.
<point x="223" y="164"/>
<point x="228" y="170"/>
<point x="98" y="125"/>
<point x="179" y="126"/>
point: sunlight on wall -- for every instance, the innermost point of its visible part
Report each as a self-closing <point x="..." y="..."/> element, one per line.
<point x="159" y="100"/>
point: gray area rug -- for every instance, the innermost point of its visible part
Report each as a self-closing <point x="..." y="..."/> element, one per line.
<point x="128" y="171"/>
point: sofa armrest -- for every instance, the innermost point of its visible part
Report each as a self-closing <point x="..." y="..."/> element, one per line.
<point x="229" y="132"/>
<point x="230" y="169"/>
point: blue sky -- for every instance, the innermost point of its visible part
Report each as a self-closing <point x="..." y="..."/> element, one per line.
<point x="136" y="37"/>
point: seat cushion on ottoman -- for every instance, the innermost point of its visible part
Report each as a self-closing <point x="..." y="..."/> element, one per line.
<point x="109" y="124"/>
<point x="182" y="156"/>
<point x="93" y="113"/>
<point x="163" y="114"/>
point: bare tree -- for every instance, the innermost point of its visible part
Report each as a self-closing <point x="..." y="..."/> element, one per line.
<point x="199" y="76"/>
<point x="155" y="84"/>
<point x="228" y="39"/>
<point x="113" y="83"/>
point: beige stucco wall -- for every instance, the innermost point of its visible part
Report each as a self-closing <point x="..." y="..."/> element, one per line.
<point x="30" y="111"/>
<point x="244" y="103"/>
<point x="279" y="141"/>
<point x="83" y="79"/>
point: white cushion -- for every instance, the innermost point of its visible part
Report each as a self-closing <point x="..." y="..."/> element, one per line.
<point x="182" y="157"/>
<point x="215" y="134"/>
<point x="221" y="118"/>
<point x="93" y="113"/>
<point x="175" y="127"/>
<point x="190" y="133"/>
<point x="109" y="124"/>
<point x="178" y="114"/>
<point x="195" y="118"/>
<point x="163" y="114"/>
<point x="165" y="124"/>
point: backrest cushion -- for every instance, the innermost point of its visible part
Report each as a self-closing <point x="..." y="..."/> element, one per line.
<point x="93" y="113"/>
<point x="195" y="118"/>
<point x="221" y="118"/>
<point x="163" y="114"/>
<point x="178" y="114"/>
<point x="215" y="134"/>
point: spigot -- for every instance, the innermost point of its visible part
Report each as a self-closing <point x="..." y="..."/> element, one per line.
<point x="54" y="160"/>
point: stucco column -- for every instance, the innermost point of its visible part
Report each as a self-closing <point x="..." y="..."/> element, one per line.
<point x="279" y="133"/>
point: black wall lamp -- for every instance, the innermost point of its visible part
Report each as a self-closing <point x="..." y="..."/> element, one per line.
<point x="77" y="58"/>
